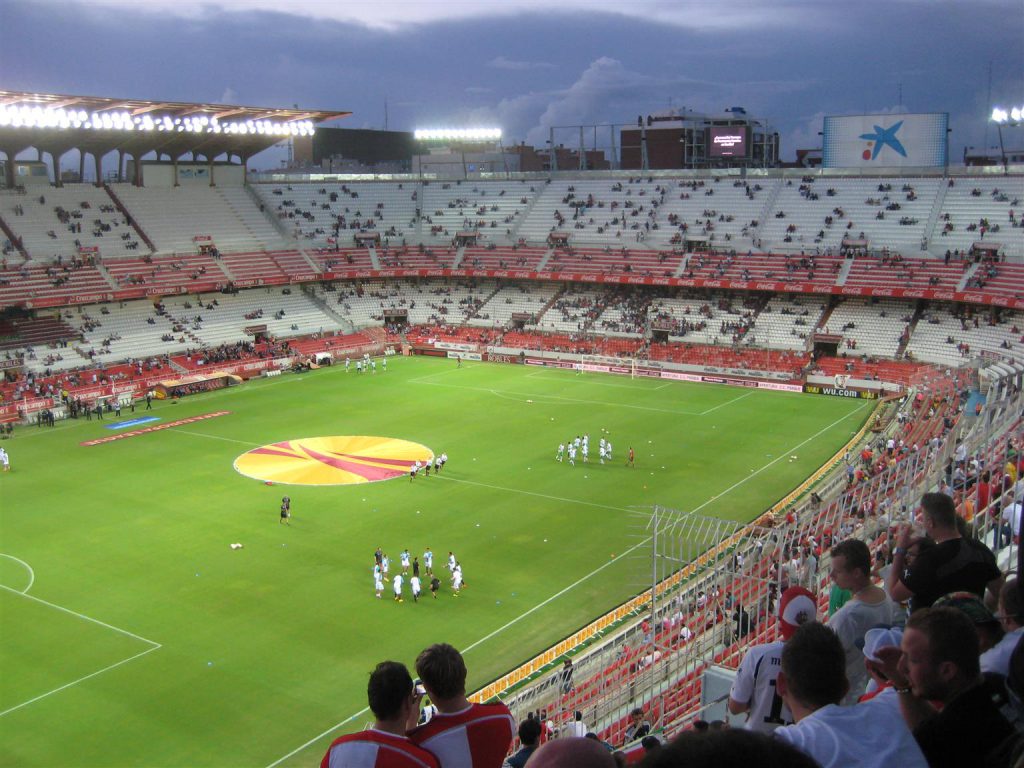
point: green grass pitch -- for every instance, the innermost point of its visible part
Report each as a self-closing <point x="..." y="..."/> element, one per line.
<point x="132" y="634"/>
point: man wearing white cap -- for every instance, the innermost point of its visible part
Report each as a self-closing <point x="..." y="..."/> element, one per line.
<point x="753" y="690"/>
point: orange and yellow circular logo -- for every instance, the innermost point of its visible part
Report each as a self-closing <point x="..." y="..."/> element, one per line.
<point x="332" y="460"/>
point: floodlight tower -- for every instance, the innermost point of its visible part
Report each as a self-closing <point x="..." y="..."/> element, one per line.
<point x="1013" y="118"/>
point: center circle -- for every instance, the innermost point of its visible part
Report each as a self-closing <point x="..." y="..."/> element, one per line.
<point x="336" y="460"/>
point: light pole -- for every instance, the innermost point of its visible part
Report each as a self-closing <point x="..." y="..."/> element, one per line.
<point x="1013" y="118"/>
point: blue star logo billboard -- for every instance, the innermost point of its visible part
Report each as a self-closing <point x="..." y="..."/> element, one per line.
<point x="885" y="141"/>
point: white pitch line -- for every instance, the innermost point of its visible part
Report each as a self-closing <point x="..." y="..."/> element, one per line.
<point x="153" y="645"/>
<point x="565" y="380"/>
<point x="82" y="616"/>
<point x="212" y="437"/>
<point x="780" y="458"/>
<point x="79" y="680"/>
<point x="31" y="573"/>
<point x="727" y="402"/>
<point x="557" y="595"/>
<point x="602" y="403"/>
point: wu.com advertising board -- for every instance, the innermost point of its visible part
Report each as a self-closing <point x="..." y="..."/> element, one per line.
<point x="885" y="141"/>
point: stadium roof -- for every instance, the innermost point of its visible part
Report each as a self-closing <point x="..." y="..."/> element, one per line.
<point x="99" y="125"/>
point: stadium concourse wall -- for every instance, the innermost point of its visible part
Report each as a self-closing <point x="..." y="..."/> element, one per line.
<point x="967" y="297"/>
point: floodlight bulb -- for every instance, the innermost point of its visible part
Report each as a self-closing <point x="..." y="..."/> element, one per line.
<point x="1015" y="113"/>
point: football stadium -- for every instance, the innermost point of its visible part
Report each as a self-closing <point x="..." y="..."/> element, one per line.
<point x="599" y="428"/>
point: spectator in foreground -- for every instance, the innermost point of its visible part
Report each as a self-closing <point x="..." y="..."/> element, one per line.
<point x="953" y="564"/>
<point x="867" y="607"/>
<point x="938" y="661"/>
<point x="753" y="689"/>
<point x="727" y="748"/>
<point x="529" y="737"/>
<point x="813" y="682"/>
<point x="395" y="705"/>
<point x="461" y="734"/>
<point x="1011" y="616"/>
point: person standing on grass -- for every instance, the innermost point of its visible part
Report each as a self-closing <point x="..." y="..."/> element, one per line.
<point x="428" y="560"/>
<point x="632" y="456"/>
<point x="5" y="459"/>
<point x="378" y="581"/>
<point x="414" y="584"/>
<point x="286" y="510"/>
<point x="395" y="704"/>
<point x="397" y="585"/>
<point x="435" y="584"/>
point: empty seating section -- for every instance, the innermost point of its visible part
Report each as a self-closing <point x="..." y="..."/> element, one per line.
<point x="572" y="311"/>
<point x="492" y="208"/>
<point x="870" y="326"/>
<point x="940" y="337"/>
<point x="56" y="221"/>
<point x="821" y="212"/>
<point x="809" y="269"/>
<point x="53" y="281"/>
<point x="617" y="261"/>
<point x="417" y="257"/>
<point x="723" y="212"/>
<point x="606" y="211"/>
<point x="697" y="318"/>
<point x="253" y="266"/>
<point x="426" y="302"/>
<point x="1001" y="278"/>
<point x="905" y="272"/>
<point x="322" y="214"/>
<point x="294" y="264"/>
<point x="329" y="259"/>
<point x="165" y="273"/>
<point x="977" y="209"/>
<point x="35" y="331"/>
<point x="786" y="321"/>
<point x="511" y="298"/>
<point x="506" y="257"/>
<point x="173" y="216"/>
<point x="133" y="329"/>
<point x="284" y="311"/>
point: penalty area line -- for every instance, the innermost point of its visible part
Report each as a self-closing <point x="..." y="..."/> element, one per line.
<point x="80" y="680"/>
<point x="153" y="646"/>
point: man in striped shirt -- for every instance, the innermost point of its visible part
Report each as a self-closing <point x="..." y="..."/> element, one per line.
<point x="461" y="734"/>
<point x="396" y="705"/>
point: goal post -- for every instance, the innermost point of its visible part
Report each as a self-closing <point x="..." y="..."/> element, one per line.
<point x="607" y="364"/>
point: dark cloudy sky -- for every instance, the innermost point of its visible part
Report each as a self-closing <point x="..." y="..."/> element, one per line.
<point x="524" y="65"/>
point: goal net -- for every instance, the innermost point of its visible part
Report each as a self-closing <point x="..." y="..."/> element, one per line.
<point x="607" y="364"/>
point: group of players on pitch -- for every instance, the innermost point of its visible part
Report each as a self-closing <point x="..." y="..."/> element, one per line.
<point x="581" y="446"/>
<point x="437" y="462"/>
<point x="410" y="564"/>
